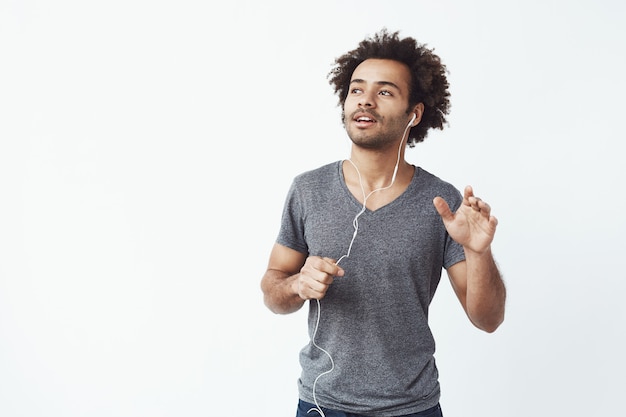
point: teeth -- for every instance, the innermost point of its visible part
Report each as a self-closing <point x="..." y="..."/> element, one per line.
<point x="364" y="119"/>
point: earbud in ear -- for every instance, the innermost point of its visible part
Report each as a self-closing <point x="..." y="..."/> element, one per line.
<point x="413" y="119"/>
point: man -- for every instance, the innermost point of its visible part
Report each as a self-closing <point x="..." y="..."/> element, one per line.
<point x="366" y="240"/>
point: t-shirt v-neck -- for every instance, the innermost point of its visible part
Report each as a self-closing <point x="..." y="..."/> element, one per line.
<point x="390" y="204"/>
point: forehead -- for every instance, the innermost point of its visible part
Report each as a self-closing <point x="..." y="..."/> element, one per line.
<point x="383" y="70"/>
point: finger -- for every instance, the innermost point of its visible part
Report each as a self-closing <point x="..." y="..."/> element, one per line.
<point x="467" y="193"/>
<point x="312" y="290"/>
<point x="313" y="284"/>
<point x="493" y="221"/>
<point x="317" y="286"/>
<point x="484" y="208"/>
<point x="317" y="269"/>
<point x="335" y="270"/>
<point x="443" y="208"/>
<point x="475" y="203"/>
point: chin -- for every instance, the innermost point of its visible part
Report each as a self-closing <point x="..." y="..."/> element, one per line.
<point x="367" y="144"/>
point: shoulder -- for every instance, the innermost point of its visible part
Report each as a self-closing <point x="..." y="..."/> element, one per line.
<point x="318" y="176"/>
<point x="435" y="185"/>
<point x="426" y="187"/>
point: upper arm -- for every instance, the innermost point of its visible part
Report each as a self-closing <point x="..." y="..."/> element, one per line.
<point x="285" y="259"/>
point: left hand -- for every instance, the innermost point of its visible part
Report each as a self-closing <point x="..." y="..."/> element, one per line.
<point x="472" y="225"/>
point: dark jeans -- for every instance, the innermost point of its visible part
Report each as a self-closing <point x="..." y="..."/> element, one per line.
<point x="304" y="407"/>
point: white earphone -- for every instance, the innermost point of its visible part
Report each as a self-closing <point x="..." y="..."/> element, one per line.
<point x="413" y="119"/>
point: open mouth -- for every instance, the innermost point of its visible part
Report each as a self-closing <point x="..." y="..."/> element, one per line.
<point x="363" y="120"/>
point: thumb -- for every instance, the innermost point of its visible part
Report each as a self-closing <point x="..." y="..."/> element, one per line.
<point x="338" y="271"/>
<point x="443" y="209"/>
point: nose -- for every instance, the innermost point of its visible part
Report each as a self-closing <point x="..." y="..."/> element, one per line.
<point x="366" y="100"/>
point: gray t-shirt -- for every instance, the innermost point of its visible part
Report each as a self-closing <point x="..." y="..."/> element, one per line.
<point x="374" y="319"/>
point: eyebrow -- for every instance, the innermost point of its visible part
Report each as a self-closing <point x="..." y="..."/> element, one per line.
<point x="380" y="83"/>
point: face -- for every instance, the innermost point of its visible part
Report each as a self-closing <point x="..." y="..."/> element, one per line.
<point x="375" y="110"/>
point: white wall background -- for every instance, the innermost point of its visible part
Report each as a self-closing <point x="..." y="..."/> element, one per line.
<point x="146" y="148"/>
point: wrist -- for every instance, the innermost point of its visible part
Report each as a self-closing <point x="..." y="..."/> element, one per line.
<point x="477" y="254"/>
<point x="295" y="287"/>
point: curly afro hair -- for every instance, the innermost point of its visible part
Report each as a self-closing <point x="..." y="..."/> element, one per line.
<point x="429" y="84"/>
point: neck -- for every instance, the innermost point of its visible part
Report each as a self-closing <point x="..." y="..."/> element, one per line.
<point x="376" y="169"/>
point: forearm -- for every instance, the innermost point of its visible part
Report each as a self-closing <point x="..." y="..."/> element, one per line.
<point x="486" y="293"/>
<point x="280" y="292"/>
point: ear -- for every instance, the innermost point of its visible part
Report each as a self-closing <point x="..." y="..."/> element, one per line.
<point x="418" y="109"/>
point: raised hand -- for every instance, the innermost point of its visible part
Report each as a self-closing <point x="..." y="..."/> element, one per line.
<point x="472" y="225"/>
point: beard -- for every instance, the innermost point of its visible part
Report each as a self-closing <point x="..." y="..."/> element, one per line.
<point x="377" y="138"/>
<point x="368" y="140"/>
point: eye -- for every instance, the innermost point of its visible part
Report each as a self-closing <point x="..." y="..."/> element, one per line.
<point x="356" y="91"/>
<point x="385" y="93"/>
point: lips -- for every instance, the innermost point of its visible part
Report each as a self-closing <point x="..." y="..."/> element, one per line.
<point x="364" y="119"/>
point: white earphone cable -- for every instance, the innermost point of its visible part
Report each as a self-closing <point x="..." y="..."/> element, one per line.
<point x="355" y="224"/>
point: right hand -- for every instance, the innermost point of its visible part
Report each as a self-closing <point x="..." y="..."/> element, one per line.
<point x="316" y="276"/>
